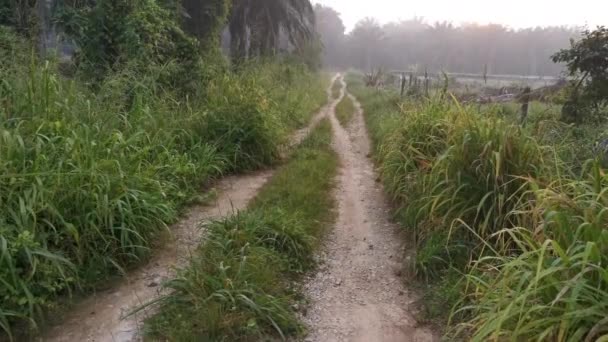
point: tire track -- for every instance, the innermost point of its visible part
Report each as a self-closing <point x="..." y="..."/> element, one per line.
<point x="104" y="316"/>
<point x="358" y="294"/>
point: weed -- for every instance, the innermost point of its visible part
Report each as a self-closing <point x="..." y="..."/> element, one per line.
<point x="345" y="110"/>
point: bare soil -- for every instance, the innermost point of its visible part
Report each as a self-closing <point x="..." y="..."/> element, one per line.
<point x="102" y="317"/>
<point x="359" y="293"/>
<point x="106" y="316"/>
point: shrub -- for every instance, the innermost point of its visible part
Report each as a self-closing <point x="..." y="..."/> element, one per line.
<point x="587" y="62"/>
<point x="139" y="35"/>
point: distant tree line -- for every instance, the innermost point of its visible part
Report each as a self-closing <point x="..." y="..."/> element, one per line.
<point x="416" y="44"/>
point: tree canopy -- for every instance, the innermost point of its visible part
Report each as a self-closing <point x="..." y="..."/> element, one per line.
<point x="587" y="62"/>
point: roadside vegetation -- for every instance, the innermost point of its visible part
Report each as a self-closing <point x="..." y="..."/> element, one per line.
<point x="336" y="89"/>
<point x="240" y="285"/>
<point x="98" y="153"/>
<point x="345" y="111"/>
<point x="508" y="221"/>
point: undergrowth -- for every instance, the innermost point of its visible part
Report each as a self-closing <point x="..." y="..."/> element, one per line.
<point x="509" y="225"/>
<point x="239" y="285"/>
<point x="336" y="90"/>
<point x="89" y="176"/>
<point x="345" y="111"/>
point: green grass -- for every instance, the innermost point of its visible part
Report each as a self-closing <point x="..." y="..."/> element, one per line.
<point x="509" y="225"/>
<point x="345" y="111"/>
<point x="336" y="89"/>
<point x="239" y="285"/>
<point x="91" y="176"/>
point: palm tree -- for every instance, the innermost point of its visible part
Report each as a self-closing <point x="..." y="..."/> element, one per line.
<point x="257" y="26"/>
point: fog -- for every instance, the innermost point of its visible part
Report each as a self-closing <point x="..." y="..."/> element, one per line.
<point x="512" y="13"/>
<point x="507" y="38"/>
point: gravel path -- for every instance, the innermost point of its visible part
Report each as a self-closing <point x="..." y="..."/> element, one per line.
<point x="358" y="293"/>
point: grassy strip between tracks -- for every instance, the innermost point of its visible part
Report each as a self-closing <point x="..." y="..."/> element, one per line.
<point x="241" y="283"/>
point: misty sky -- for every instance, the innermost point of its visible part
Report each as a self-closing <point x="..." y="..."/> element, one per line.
<point x="506" y="12"/>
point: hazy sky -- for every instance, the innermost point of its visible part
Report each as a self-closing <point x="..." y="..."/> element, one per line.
<point x="506" y="12"/>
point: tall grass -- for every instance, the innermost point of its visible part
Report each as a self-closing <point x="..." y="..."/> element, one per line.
<point x="336" y="89"/>
<point x="238" y="286"/>
<point x="88" y="178"/>
<point x="345" y="110"/>
<point x="502" y="223"/>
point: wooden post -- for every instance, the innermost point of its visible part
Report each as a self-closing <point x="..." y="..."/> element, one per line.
<point x="402" y="84"/>
<point x="426" y="82"/>
<point x="446" y="85"/>
<point x="525" y="98"/>
<point x="485" y="74"/>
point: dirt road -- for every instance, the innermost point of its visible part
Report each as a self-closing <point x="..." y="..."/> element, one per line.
<point x="102" y="317"/>
<point x="358" y="294"/>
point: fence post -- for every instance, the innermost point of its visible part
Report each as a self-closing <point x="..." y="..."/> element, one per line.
<point x="426" y="82"/>
<point x="525" y="106"/>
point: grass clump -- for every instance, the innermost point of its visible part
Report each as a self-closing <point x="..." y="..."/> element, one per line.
<point x="506" y="232"/>
<point x="238" y="285"/>
<point x="555" y="287"/>
<point x="345" y="110"/>
<point x="336" y="89"/>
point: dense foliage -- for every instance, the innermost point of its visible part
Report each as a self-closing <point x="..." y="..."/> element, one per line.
<point x="206" y="20"/>
<point x="138" y="35"/>
<point x="18" y="14"/>
<point x="587" y="62"/>
<point x="98" y="156"/>
<point x="509" y="227"/>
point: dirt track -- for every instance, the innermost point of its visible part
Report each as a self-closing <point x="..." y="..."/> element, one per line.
<point x="101" y="317"/>
<point x="358" y="294"/>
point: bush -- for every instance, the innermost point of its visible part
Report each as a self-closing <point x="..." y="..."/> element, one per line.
<point x="587" y="62"/>
<point x="139" y="35"/>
